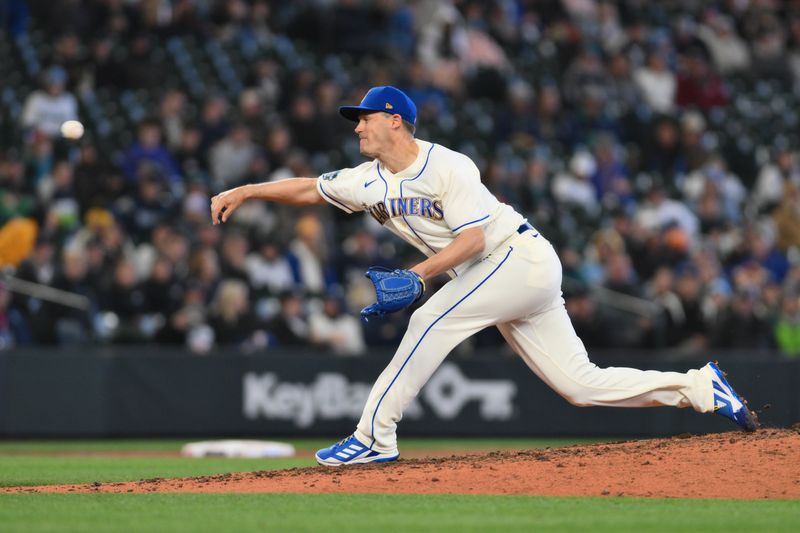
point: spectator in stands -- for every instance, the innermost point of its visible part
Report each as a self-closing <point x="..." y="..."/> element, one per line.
<point x="71" y="56"/>
<point x="761" y="249"/>
<point x="774" y="178"/>
<point x="657" y="82"/>
<point x="589" y="323"/>
<point x="662" y="153"/>
<point x="328" y="121"/>
<point x="60" y="323"/>
<point x="621" y="89"/>
<point x="278" y="146"/>
<point x="163" y="293"/>
<point x="694" y="333"/>
<point x="332" y="328"/>
<point x="141" y="72"/>
<point x="715" y="178"/>
<point x="794" y="46"/>
<point x="204" y="270"/>
<point x="232" y="320"/>
<point x="698" y="85"/>
<point x="728" y="51"/>
<point x="787" y="328"/>
<point x="265" y="80"/>
<point x="551" y="119"/>
<point x="39" y="158"/>
<point x="127" y="300"/>
<point x="14" y="330"/>
<point x="308" y="253"/>
<point x="96" y="182"/>
<point x="694" y="149"/>
<point x="214" y="122"/>
<point x="610" y="179"/>
<point x="302" y="123"/>
<point x="442" y="36"/>
<point x="192" y="161"/>
<point x="586" y="72"/>
<point x="787" y="219"/>
<point x="152" y="204"/>
<point x="58" y="185"/>
<point x="268" y="269"/>
<point x="517" y="122"/>
<point x="148" y="156"/>
<point x="620" y="276"/>
<point x="593" y="118"/>
<point x="670" y="317"/>
<point x="740" y="326"/>
<point x="190" y="317"/>
<point x="104" y="71"/>
<point x="574" y="187"/>
<point x="659" y="211"/>
<point x="194" y="210"/>
<point x="290" y="327"/>
<point x="46" y="110"/>
<point x="431" y="101"/>
<point x="767" y="36"/>
<point x="171" y="113"/>
<point x="252" y="113"/>
<point x="232" y="157"/>
<point x="233" y="257"/>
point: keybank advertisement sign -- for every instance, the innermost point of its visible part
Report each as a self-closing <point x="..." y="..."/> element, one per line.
<point x="331" y="396"/>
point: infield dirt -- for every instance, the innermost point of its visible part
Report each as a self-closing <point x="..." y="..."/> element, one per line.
<point x="764" y="464"/>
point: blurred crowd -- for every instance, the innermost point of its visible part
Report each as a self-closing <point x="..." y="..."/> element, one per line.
<point x="630" y="133"/>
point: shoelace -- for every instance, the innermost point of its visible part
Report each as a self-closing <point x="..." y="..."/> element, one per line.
<point x="343" y="440"/>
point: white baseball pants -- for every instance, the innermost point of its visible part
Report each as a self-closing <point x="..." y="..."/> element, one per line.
<point x="518" y="289"/>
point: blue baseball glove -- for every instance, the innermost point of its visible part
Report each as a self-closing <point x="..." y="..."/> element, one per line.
<point x="395" y="290"/>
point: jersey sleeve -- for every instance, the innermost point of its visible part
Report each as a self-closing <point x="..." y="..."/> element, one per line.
<point x="339" y="188"/>
<point x="463" y="202"/>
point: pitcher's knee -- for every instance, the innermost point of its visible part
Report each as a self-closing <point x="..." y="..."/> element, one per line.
<point x="421" y="319"/>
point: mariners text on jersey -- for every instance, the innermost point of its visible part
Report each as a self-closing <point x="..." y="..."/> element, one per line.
<point x="396" y="207"/>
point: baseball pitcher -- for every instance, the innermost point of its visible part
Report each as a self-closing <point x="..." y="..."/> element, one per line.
<point x="503" y="273"/>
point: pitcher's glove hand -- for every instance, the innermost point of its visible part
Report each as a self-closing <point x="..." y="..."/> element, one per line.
<point x="395" y="290"/>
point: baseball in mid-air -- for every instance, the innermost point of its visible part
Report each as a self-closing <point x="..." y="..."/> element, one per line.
<point x="72" y="129"/>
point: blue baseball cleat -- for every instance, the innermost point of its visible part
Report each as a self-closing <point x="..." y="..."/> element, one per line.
<point x="728" y="403"/>
<point x="350" y="451"/>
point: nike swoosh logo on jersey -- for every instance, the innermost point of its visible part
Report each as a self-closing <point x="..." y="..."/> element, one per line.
<point x="367" y="184"/>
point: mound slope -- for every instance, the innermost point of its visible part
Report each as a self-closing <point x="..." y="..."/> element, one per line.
<point x="764" y="464"/>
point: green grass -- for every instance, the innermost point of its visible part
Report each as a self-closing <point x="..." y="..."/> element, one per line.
<point x="34" y="462"/>
<point x="174" y="445"/>
<point x="326" y="512"/>
<point x="15" y="471"/>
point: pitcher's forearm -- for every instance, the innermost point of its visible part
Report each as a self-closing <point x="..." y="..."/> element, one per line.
<point x="293" y="191"/>
<point x="467" y="245"/>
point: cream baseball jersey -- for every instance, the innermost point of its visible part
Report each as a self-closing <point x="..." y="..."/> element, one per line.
<point x="427" y="204"/>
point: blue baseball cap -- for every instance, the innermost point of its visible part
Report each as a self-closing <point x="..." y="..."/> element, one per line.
<point x="387" y="99"/>
<point x="55" y="74"/>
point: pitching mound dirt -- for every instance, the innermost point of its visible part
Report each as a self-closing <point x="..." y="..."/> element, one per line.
<point x="765" y="464"/>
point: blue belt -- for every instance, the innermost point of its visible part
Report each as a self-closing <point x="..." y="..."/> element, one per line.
<point x="524" y="227"/>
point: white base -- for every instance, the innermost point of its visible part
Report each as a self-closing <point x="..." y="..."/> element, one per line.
<point x="238" y="448"/>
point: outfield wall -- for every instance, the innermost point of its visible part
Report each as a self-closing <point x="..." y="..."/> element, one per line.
<point x="150" y="391"/>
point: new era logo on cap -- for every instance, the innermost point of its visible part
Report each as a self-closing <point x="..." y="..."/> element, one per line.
<point x="387" y="99"/>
